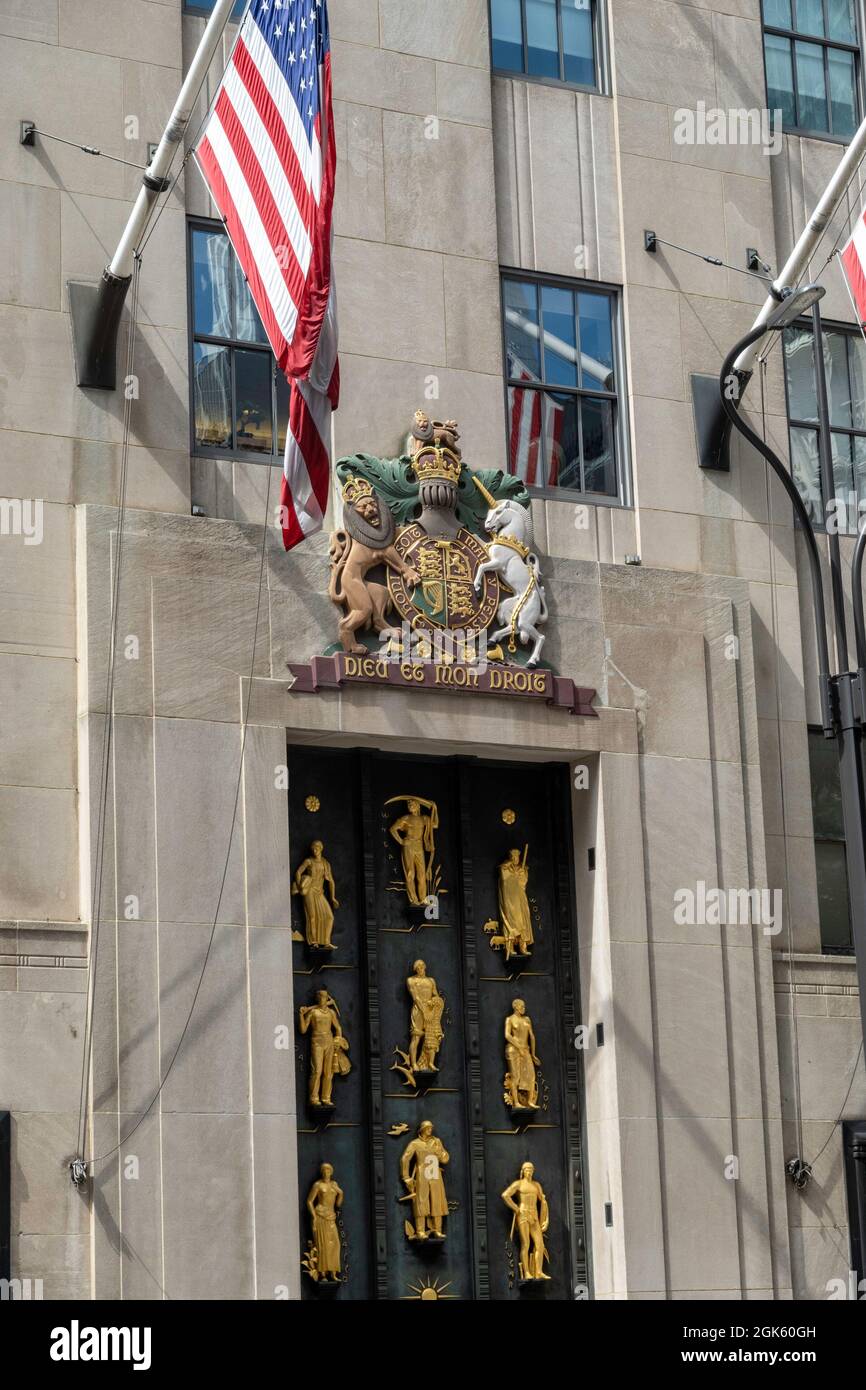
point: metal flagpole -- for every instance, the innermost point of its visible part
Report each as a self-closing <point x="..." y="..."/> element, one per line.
<point x="795" y="265"/>
<point x="96" y="313"/>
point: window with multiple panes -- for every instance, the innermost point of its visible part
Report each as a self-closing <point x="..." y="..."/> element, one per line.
<point x="561" y="374"/>
<point x="830" y="857"/>
<point x="552" y="39"/>
<point x="811" y="52"/>
<point x="845" y="370"/>
<point x="240" y="403"/>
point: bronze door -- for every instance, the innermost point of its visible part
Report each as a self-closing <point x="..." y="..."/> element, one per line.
<point x="463" y="866"/>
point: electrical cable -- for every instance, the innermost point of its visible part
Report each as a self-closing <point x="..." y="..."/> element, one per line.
<point x="838" y="1118"/>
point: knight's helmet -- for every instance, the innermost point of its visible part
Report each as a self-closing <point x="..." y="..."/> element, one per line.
<point x="437" y="461"/>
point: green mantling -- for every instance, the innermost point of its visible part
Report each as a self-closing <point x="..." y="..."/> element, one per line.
<point x="395" y="483"/>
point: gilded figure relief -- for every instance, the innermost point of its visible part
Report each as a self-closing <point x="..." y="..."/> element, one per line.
<point x="513" y="932"/>
<point x="531" y="1217"/>
<point x="415" y="833"/>
<point x="421" y="1171"/>
<point x="323" y="1260"/>
<point x="425" y="1026"/>
<point x="521" y="1079"/>
<point x="314" y="881"/>
<point x="329" y="1048"/>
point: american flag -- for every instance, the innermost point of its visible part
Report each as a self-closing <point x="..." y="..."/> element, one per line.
<point x="267" y="154"/>
<point x="533" y="416"/>
<point x="853" y="259"/>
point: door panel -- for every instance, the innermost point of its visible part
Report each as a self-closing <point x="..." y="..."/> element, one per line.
<point x="379" y="936"/>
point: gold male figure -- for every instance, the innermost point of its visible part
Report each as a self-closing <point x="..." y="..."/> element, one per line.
<point x="426" y="1019"/>
<point x="414" y="834"/>
<point x="328" y="1047"/>
<point x="311" y="879"/>
<point x="526" y="1199"/>
<point x="514" y="912"/>
<point x="421" y="1171"/>
<point x="323" y="1202"/>
<point x="521" y="1080"/>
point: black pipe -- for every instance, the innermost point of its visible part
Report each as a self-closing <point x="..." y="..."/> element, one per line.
<point x="96" y="314"/>
<point x="828" y="488"/>
<point x="857" y="594"/>
<point x="726" y="377"/>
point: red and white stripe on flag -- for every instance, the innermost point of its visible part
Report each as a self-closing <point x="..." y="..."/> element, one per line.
<point x="854" y="265"/>
<point x="268" y="156"/>
<point x="534" y="417"/>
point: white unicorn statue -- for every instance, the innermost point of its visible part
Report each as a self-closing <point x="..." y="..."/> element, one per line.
<point x="511" y="557"/>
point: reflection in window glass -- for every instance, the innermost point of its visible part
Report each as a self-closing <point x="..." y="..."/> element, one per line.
<point x="562" y="431"/>
<point x="577" y="42"/>
<point x="562" y="451"/>
<point x="800" y="371"/>
<point x="813" y="83"/>
<point x="843" y="98"/>
<point x="857" y="379"/>
<point x="553" y="40"/>
<point x="780" y="78"/>
<point x="542" y="38"/>
<point x="836" y="375"/>
<point x="248" y="326"/>
<point x="212" y="395"/>
<point x="841" y="24"/>
<point x="211" y="290"/>
<point x="806" y="472"/>
<point x="778" y="13"/>
<point x="507" y="29"/>
<point x="596" y="341"/>
<point x="599" y="461"/>
<point x="811" y="92"/>
<point x="283" y="397"/>
<point x="254" y="428"/>
<point x="830" y="859"/>
<point x="525" y="456"/>
<point x="843" y="474"/>
<point x="845" y="368"/>
<point x="237" y="406"/>
<point x="522" y="330"/>
<point x="810" y="17"/>
<point x="560" y="336"/>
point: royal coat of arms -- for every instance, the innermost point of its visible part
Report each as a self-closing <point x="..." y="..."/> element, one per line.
<point x="434" y="558"/>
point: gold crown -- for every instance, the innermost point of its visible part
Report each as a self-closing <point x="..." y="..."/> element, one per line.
<point x="433" y="463"/>
<point x="356" y="489"/>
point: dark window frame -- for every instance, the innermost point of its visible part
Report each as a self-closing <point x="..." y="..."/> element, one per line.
<point x="599" y="53"/>
<point x="814" y="731"/>
<point x="798" y="36"/>
<point x="849" y="330"/>
<point x="233" y="453"/>
<point x="618" y="397"/>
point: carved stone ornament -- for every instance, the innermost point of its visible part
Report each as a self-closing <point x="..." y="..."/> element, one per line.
<point x="430" y="548"/>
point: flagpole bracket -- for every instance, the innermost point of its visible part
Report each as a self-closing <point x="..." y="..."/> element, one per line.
<point x="96" y="311"/>
<point x="156" y="185"/>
